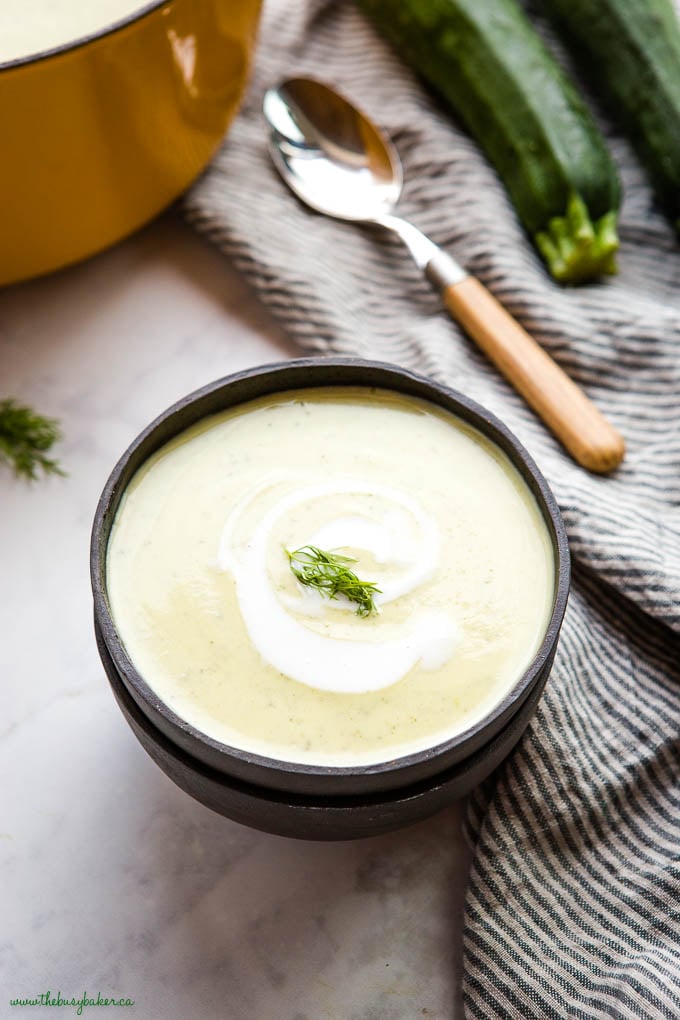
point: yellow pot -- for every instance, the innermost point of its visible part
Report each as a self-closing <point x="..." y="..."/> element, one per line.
<point x="100" y="135"/>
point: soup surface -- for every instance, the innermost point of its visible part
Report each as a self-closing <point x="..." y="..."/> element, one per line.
<point x="211" y="614"/>
<point x="34" y="26"/>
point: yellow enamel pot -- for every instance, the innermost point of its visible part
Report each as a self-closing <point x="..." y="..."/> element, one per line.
<point x="102" y="133"/>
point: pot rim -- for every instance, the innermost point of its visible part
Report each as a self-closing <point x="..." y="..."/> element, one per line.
<point x="74" y="44"/>
<point x="279" y="772"/>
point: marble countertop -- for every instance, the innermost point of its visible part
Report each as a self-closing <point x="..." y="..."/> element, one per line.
<point x="113" y="880"/>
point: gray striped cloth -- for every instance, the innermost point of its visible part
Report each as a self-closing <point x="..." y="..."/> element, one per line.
<point x="573" y="902"/>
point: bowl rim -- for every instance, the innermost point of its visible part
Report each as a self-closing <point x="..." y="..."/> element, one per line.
<point x="84" y="40"/>
<point x="271" y="771"/>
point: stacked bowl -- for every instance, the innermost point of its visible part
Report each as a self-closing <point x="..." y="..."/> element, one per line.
<point x="330" y="798"/>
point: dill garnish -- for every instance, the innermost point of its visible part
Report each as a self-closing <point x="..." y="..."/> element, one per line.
<point x="25" y="438"/>
<point x="329" y="574"/>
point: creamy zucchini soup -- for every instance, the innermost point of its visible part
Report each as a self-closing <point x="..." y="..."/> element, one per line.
<point x="231" y="540"/>
<point x="33" y="26"/>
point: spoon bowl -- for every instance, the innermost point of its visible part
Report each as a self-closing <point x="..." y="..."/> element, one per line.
<point x="330" y="154"/>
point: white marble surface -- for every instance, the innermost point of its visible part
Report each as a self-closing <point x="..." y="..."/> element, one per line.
<point x="113" y="880"/>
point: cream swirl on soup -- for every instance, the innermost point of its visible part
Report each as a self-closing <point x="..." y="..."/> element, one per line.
<point x="323" y="660"/>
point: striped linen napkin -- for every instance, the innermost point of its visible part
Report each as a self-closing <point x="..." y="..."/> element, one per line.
<point x="573" y="906"/>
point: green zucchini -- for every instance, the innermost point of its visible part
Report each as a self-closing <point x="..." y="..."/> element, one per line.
<point x="631" y="50"/>
<point x="486" y="60"/>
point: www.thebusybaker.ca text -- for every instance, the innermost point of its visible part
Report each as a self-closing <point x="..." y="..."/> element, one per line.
<point x="48" y="999"/>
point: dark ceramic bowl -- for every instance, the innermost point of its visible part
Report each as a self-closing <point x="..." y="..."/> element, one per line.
<point x="304" y="779"/>
<point x="316" y="817"/>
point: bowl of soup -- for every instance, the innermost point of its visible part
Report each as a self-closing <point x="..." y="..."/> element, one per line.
<point x="109" y="109"/>
<point x="328" y="579"/>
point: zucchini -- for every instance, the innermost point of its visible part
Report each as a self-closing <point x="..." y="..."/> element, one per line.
<point x="486" y="60"/>
<point x="631" y="50"/>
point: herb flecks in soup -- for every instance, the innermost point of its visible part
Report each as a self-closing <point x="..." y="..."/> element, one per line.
<point x="432" y="513"/>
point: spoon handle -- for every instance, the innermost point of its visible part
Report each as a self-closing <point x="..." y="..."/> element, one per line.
<point x="555" y="398"/>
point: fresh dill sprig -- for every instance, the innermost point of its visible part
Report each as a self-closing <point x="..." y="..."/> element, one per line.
<point x="329" y="574"/>
<point x="25" y="439"/>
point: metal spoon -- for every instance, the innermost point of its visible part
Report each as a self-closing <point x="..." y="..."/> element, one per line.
<point x="336" y="161"/>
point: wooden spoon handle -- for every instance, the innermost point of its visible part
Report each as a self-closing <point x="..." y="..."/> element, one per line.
<point x="555" y="398"/>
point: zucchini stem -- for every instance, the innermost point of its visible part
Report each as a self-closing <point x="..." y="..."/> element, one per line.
<point x="577" y="249"/>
